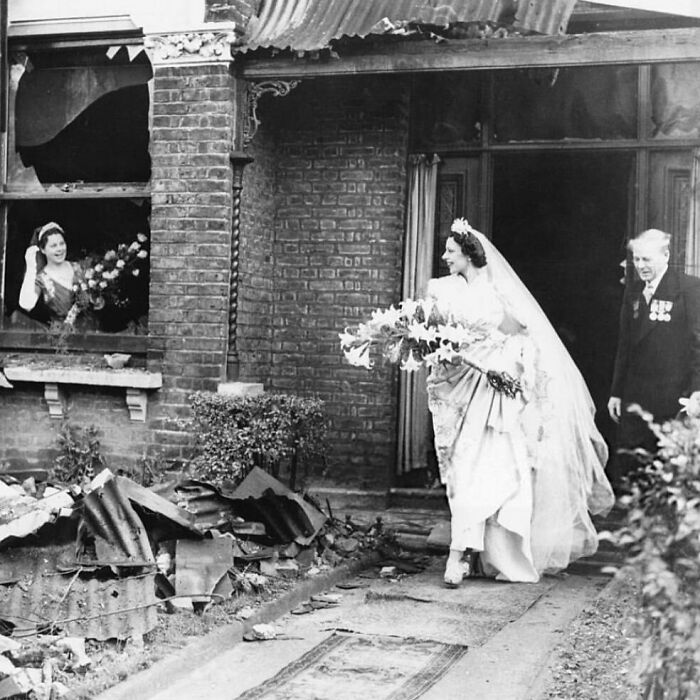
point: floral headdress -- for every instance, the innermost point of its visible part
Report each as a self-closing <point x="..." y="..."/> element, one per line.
<point x="461" y="226"/>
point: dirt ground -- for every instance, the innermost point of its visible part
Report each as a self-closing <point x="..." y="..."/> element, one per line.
<point x="597" y="660"/>
<point x="115" y="661"/>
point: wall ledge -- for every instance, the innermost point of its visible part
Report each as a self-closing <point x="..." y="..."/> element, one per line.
<point x="136" y="382"/>
<point x="240" y="389"/>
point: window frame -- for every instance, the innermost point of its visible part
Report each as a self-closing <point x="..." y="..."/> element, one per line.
<point x="643" y="145"/>
<point x="23" y="340"/>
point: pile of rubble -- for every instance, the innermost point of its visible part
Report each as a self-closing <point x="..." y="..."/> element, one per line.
<point x="98" y="563"/>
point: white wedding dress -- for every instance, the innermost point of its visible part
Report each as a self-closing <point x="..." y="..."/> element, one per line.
<point x="479" y="438"/>
<point x="521" y="473"/>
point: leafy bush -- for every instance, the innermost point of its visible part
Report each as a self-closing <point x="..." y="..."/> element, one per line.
<point x="662" y="536"/>
<point x="80" y="457"/>
<point x="234" y="434"/>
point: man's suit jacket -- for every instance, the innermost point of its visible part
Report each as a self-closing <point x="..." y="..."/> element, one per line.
<point x="658" y="354"/>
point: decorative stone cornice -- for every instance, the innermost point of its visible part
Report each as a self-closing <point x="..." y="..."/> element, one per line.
<point x="200" y="46"/>
<point x="278" y="88"/>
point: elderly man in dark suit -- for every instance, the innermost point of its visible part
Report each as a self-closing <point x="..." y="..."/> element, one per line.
<point x="658" y="355"/>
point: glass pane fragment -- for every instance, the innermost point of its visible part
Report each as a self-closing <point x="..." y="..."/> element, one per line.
<point x="556" y="104"/>
<point x="675" y="100"/>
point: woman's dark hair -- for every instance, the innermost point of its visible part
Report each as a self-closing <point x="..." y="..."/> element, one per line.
<point x="42" y="233"/>
<point x="471" y="247"/>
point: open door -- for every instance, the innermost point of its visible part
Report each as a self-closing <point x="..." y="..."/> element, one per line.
<point x="456" y="195"/>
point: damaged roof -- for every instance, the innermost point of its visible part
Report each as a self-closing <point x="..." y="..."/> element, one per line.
<point x="310" y="25"/>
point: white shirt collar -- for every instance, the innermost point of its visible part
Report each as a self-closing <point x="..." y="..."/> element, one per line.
<point x="655" y="282"/>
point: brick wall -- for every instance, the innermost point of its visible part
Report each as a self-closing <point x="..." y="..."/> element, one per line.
<point x="340" y="197"/>
<point x="29" y="435"/>
<point x="191" y="139"/>
<point x="322" y="221"/>
<point x="190" y="236"/>
<point x="255" y="288"/>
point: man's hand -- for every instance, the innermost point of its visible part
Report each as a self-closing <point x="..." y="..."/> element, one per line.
<point x="615" y="408"/>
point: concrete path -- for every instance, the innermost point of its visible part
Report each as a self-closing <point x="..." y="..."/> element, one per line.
<point x="510" y="630"/>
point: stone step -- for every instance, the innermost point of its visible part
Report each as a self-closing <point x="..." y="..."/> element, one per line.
<point x="417" y="498"/>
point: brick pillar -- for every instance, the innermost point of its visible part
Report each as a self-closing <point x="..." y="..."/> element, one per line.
<point x="195" y="98"/>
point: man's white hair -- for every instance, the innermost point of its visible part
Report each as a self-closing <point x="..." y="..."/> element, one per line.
<point x="652" y="235"/>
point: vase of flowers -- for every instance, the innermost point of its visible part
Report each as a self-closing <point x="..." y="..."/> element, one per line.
<point x="114" y="285"/>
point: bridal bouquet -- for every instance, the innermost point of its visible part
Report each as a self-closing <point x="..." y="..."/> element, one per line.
<point x="416" y="334"/>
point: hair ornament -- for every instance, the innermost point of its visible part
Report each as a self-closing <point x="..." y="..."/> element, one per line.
<point x="461" y="226"/>
<point x="46" y="229"/>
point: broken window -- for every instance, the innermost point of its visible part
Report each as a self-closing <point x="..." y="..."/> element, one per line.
<point x="447" y="111"/>
<point x="675" y="100"/>
<point x="555" y="104"/>
<point x="78" y="135"/>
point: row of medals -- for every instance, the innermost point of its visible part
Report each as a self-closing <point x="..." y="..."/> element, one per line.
<point x="660" y="310"/>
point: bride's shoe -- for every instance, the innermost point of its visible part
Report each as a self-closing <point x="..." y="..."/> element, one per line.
<point x="455" y="571"/>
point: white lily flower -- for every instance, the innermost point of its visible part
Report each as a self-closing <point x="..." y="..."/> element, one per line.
<point x="359" y="356"/>
<point x="410" y="364"/>
<point x="431" y="359"/>
<point x="346" y="338"/>
<point x="450" y="333"/>
<point x="388" y="317"/>
<point x="408" y="308"/>
<point x="445" y="352"/>
<point x="420" y="331"/>
<point x="364" y="332"/>
<point x="691" y="405"/>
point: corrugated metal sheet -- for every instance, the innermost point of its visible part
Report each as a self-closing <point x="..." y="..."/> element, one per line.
<point x="205" y="503"/>
<point x="120" y="536"/>
<point x="22" y="515"/>
<point x="309" y="25"/>
<point x="286" y="515"/>
<point x="47" y="594"/>
<point x="202" y="567"/>
<point x="544" y="16"/>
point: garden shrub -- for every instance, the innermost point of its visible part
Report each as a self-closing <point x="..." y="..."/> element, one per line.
<point x="80" y="456"/>
<point x="662" y="537"/>
<point x="234" y="434"/>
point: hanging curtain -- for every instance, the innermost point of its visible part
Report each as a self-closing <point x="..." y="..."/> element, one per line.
<point x="414" y="427"/>
<point x="692" y="253"/>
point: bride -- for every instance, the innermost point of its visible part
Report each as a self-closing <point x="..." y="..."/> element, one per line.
<point x="522" y="473"/>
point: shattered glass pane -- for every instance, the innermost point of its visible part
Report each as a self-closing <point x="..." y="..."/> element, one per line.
<point x="446" y="111"/>
<point x="555" y="104"/>
<point x="78" y="119"/>
<point x="675" y="100"/>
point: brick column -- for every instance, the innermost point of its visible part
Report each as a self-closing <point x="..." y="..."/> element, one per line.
<point x="195" y="98"/>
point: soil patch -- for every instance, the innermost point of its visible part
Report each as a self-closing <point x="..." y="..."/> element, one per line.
<point x="598" y="658"/>
<point x="115" y="661"/>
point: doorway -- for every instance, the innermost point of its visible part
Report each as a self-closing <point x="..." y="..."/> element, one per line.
<point x="562" y="220"/>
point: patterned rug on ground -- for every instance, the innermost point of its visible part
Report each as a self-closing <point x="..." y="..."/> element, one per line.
<point x="347" y="667"/>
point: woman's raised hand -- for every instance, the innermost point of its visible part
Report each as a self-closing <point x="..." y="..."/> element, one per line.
<point x="30" y="255"/>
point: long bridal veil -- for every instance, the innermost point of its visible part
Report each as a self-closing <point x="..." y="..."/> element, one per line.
<point x="567" y="451"/>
